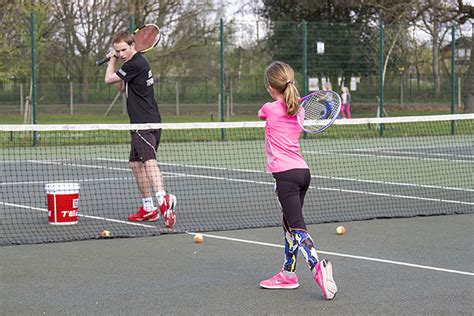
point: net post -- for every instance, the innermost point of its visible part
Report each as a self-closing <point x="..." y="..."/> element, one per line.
<point x="382" y="75"/>
<point x="453" y="78"/>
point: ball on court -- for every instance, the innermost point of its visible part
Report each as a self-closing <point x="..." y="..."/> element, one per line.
<point x="340" y="230"/>
<point x="198" y="238"/>
<point x="105" y="233"/>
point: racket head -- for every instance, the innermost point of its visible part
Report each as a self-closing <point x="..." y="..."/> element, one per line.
<point x="146" y="37"/>
<point x="319" y="110"/>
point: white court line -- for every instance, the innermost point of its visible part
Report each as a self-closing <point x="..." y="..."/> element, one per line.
<point x="78" y="180"/>
<point x="257" y="171"/>
<point x="387" y="156"/>
<point x="400" y="263"/>
<point x="271" y="183"/>
<point x="316" y="177"/>
<point x="64" y="180"/>
<point x="412" y="153"/>
<point x="52" y="162"/>
<point x="81" y="215"/>
<point x="424" y="186"/>
<point x="418" y="198"/>
<point x="252" y="242"/>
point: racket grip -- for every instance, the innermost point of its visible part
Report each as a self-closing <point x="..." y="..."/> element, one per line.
<point x="102" y="61"/>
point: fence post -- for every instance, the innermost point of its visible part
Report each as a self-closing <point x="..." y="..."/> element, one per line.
<point x="305" y="57"/>
<point x="222" y="99"/>
<point x="453" y="78"/>
<point x="177" y="97"/>
<point x="33" y="70"/>
<point x="21" y="98"/>
<point x="132" y="23"/>
<point x="71" y="98"/>
<point x="382" y="75"/>
<point x="124" y="103"/>
<point x="305" y="63"/>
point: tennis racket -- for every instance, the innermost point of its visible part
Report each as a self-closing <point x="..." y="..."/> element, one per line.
<point x="146" y="37"/>
<point x="319" y="110"/>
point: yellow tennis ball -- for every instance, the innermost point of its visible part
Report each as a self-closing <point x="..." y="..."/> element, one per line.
<point x="340" y="230"/>
<point x="198" y="238"/>
<point x="105" y="233"/>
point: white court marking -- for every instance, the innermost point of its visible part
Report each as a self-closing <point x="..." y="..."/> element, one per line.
<point x="256" y="242"/>
<point x="400" y="263"/>
<point x="381" y="154"/>
<point x="380" y="194"/>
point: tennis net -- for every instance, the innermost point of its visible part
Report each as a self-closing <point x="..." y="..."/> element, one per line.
<point x="361" y="169"/>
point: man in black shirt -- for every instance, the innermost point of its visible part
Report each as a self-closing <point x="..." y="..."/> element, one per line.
<point x="136" y="79"/>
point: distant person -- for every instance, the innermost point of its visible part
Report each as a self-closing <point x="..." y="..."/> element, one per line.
<point x="136" y="79"/>
<point x="327" y="86"/>
<point x="292" y="179"/>
<point x="329" y="106"/>
<point x="346" y="103"/>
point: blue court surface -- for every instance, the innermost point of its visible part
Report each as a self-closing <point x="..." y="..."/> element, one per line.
<point x="419" y="265"/>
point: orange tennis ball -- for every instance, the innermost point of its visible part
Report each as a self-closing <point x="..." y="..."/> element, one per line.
<point x="340" y="230"/>
<point x="198" y="238"/>
<point x="105" y="233"/>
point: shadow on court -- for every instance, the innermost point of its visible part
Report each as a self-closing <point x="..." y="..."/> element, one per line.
<point x="428" y="269"/>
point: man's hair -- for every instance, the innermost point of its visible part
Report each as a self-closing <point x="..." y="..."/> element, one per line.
<point x="123" y="36"/>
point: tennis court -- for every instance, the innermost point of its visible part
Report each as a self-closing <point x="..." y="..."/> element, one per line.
<point x="420" y="265"/>
<point x="395" y="258"/>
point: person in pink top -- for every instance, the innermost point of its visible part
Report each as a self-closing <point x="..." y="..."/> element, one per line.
<point x="292" y="179"/>
<point x="346" y="103"/>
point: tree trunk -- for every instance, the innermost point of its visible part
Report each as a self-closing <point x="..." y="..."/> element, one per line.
<point x="435" y="51"/>
<point x="469" y="82"/>
<point x="84" y="80"/>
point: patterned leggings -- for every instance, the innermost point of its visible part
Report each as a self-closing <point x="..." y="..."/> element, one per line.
<point x="298" y="239"/>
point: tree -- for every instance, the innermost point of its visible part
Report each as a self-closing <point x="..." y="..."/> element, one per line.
<point x="469" y="83"/>
<point x="352" y="25"/>
<point x="76" y="33"/>
<point x="82" y="30"/>
<point x="465" y="13"/>
<point x="15" y="41"/>
<point x="437" y="13"/>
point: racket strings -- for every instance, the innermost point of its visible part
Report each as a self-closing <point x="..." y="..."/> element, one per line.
<point x="320" y="108"/>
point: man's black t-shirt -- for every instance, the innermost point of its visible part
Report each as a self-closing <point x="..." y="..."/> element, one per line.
<point x="141" y="103"/>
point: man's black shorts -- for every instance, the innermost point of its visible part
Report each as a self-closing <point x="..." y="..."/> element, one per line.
<point x="144" y="144"/>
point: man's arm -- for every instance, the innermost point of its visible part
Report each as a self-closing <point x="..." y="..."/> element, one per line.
<point x="110" y="75"/>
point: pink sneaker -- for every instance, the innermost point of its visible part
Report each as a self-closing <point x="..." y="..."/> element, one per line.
<point x="323" y="277"/>
<point x="169" y="203"/>
<point x="142" y="215"/>
<point x="168" y="211"/>
<point x="170" y="218"/>
<point x="281" y="281"/>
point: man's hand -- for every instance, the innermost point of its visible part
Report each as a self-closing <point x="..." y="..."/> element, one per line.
<point x="111" y="55"/>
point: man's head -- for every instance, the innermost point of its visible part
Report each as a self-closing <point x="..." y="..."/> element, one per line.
<point x="124" y="46"/>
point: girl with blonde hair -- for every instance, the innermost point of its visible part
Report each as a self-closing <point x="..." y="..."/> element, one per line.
<point x="292" y="179"/>
<point x="346" y="103"/>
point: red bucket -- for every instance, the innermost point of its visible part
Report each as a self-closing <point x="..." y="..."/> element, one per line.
<point x="63" y="203"/>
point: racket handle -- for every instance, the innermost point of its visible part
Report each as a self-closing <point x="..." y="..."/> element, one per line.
<point x="102" y="61"/>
